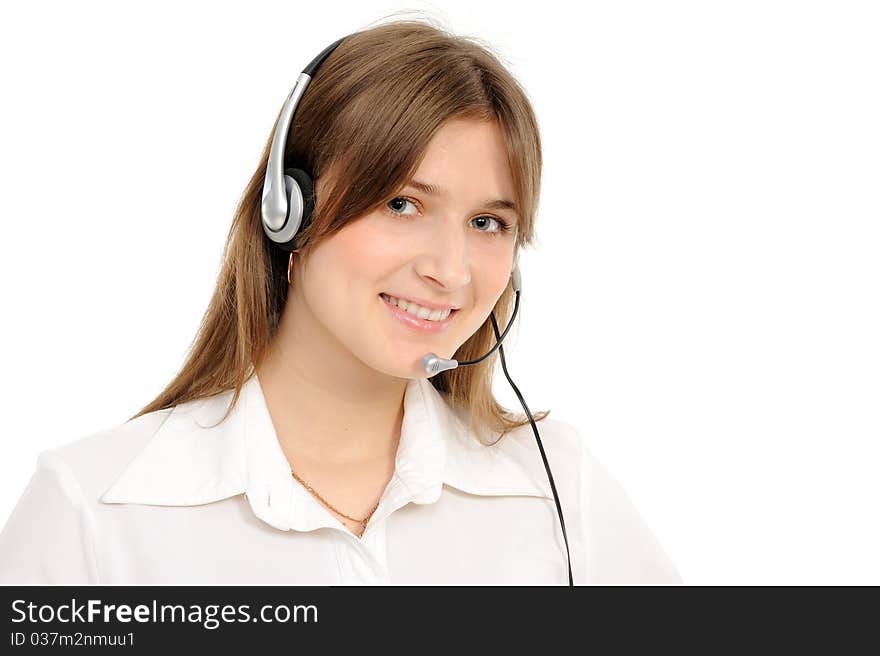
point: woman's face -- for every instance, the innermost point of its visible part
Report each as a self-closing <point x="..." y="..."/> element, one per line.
<point x="448" y="248"/>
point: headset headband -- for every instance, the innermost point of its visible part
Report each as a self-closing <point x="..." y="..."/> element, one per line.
<point x="283" y="202"/>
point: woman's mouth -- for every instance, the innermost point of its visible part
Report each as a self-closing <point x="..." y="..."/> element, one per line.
<point x="414" y="322"/>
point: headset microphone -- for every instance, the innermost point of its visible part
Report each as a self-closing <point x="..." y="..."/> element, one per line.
<point x="434" y="364"/>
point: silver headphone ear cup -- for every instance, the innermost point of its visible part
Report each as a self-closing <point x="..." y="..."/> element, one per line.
<point x="299" y="192"/>
<point x="285" y="234"/>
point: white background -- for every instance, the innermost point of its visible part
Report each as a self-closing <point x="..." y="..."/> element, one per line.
<point x="702" y="304"/>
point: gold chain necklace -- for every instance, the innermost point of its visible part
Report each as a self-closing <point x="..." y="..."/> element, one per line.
<point x="326" y="503"/>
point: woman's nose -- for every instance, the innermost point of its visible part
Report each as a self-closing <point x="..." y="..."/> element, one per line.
<point x="447" y="260"/>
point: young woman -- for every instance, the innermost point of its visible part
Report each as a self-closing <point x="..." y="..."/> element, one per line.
<point x="303" y="441"/>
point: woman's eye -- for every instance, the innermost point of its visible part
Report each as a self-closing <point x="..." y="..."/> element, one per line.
<point x="401" y="202"/>
<point x="484" y="219"/>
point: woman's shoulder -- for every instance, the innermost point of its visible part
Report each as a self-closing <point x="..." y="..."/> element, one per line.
<point x="50" y="537"/>
<point x="561" y="440"/>
<point x="515" y="455"/>
<point x="621" y="544"/>
<point x="92" y="462"/>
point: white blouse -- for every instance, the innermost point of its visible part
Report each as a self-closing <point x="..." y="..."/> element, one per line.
<point x="168" y="499"/>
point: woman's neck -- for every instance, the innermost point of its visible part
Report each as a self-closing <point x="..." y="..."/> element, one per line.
<point x="328" y="406"/>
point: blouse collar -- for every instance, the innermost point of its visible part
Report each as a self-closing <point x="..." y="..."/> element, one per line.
<point x="190" y="461"/>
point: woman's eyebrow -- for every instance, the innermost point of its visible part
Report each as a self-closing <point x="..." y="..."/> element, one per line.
<point x="435" y="190"/>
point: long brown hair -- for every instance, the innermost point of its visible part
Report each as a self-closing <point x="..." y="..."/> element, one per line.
<point x="368" y="114"/>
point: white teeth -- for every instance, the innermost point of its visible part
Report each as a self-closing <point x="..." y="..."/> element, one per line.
<point x="418" y="310"/>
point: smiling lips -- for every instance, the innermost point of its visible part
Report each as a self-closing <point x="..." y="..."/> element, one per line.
<point x="420" y="310"/>
<point x="418" y="322"/>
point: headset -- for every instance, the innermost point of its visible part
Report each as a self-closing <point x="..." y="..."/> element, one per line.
<point x="287" y="205"/>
